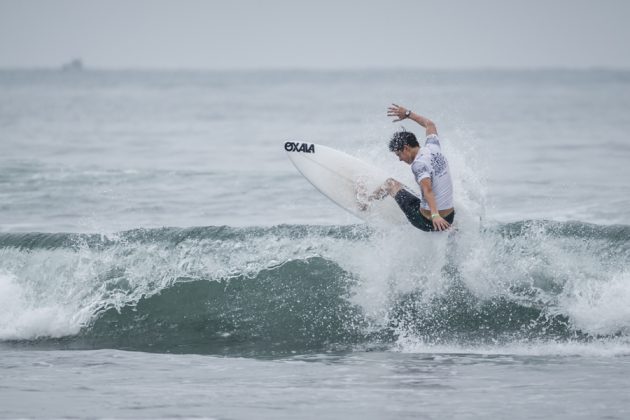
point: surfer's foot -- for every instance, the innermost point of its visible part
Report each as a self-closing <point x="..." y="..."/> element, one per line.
<point x="392" y="187"/>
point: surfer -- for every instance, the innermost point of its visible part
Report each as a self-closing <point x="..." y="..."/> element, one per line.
<point x="434" y="211"/>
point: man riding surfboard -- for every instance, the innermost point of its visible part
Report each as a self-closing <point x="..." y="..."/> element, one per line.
<point x="435" y="210"/>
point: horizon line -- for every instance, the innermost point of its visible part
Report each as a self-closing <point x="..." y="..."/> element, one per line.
<point x="314" y="69"/>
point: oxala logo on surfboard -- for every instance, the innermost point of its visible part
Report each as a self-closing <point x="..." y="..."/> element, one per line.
<point x="299" y="147"/>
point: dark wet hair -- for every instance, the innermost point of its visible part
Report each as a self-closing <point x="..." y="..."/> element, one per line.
<point x="402" y="138"/>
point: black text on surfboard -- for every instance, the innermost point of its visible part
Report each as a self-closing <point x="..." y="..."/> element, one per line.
<point x="299" y="147"/>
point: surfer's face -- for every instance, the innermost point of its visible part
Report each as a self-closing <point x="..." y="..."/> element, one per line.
<point x="404" y="155"/>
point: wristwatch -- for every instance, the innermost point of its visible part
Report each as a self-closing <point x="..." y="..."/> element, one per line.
<point x="408" y="113"/>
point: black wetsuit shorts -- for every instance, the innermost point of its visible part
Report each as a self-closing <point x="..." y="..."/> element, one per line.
<point x="410" y="205"/>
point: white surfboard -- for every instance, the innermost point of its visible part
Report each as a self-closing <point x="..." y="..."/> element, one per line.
<point x="346" y="180"/>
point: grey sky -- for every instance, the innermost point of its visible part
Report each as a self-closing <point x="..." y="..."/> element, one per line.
<point x="315" y="34"/>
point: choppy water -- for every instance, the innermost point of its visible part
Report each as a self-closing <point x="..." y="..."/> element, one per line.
<point x="157" y="213"/>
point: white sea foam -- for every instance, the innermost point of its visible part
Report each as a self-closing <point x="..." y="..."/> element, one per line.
<point x="24" y="316"/>
<point x="599" y="305"/>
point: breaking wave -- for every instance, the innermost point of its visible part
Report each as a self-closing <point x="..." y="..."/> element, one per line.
<point x="298" y="288"/>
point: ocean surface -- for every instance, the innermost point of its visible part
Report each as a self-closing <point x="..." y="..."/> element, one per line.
<point x="160" y="257"/>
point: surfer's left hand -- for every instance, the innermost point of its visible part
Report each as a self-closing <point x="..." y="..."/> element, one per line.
<point x="397" y="111"/>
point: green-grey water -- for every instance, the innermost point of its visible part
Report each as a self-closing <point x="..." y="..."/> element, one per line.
<point x="160" y="256"/>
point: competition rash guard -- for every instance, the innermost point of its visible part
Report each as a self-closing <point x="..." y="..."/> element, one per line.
<point x="431" y="163"/>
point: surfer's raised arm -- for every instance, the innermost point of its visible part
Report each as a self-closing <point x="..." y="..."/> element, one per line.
<point x="402" y="113"/>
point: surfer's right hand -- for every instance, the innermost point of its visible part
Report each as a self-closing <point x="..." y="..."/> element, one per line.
<point x="440" y="224"/>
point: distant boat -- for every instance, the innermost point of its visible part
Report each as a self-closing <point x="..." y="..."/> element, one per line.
<point x="74" y="65"/>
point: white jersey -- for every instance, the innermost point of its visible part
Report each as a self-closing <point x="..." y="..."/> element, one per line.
<point x="431" y="163"/>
